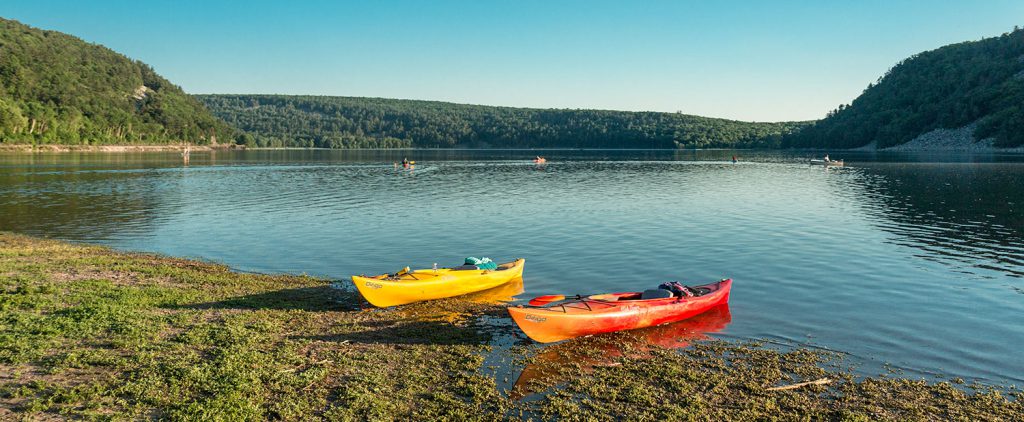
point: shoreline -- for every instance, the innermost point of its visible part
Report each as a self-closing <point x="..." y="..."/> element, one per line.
<point x="29" y="148"/>
<point x="941" y="146"/>
<point x="90" y="332"/>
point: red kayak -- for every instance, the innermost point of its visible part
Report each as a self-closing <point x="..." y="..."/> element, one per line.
<point x="617" y="311"/>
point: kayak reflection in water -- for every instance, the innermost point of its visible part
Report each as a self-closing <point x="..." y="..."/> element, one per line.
<point x="586" y="353"/>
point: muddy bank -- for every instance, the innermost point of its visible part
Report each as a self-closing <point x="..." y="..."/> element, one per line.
<point x="86" y="332"/>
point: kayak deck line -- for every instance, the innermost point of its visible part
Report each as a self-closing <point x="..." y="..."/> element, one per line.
<point x="566" y="306"/>
<point x="587" y="300"/>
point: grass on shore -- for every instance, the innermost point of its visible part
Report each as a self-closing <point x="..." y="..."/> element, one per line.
<point x="86" y="332"/>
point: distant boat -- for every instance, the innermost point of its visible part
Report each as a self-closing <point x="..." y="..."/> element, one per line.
<point x="833" y="163"/>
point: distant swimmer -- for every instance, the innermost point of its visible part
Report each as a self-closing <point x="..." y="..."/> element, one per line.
<point x="540" y="160"/>
<point x="734" y="160"/>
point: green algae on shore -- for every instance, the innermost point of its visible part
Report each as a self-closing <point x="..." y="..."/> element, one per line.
<point x="89" y="332"/>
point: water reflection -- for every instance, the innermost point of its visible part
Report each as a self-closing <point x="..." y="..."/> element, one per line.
<point x="83" y="205"/>
<point x="550" y="365"/>
<point x="960" y="214"/>
<point x="501" y="294"/>
<point x="905" y="262"/>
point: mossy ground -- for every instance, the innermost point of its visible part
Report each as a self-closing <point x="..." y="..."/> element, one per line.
<point x="86" y="332"/>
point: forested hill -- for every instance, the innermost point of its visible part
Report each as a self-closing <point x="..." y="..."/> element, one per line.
<point x="346" y="122"/>
<point x="55" y="88"/>
<point x="954" y="86"/>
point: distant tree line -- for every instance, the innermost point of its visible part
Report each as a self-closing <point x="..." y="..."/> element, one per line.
<point x="347" y="122"/>
<point x="55" y="88"/>
<point x="58" y="89"/>
<point x="950" y="87"/>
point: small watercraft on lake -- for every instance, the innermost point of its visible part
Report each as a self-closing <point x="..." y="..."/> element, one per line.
<point x="408" y="286"/>
<point x="604" y="313"/>
<point x="832" y="163"/>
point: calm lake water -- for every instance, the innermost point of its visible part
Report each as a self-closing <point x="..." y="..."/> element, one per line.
<point x="909" y="261"/>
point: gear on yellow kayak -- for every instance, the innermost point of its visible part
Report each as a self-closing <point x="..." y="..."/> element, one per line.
<point x="408" y="286"/>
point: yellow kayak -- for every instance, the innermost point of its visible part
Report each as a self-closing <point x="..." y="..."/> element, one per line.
<point x="427" y="284"/>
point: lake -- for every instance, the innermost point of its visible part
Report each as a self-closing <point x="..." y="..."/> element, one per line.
<point x="906" y="262"/>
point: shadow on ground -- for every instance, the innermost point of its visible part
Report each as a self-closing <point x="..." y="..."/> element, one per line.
<point x="406" y="331"/>
<point x="318" y="298"/>
<point x="420" y="332"/>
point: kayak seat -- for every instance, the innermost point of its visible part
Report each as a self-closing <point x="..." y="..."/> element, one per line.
<point x="655" y="294"/>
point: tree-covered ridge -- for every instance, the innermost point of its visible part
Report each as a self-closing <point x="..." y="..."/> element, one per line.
<point x="347" y="122"/>
<point x="950" y="87"/>
<point x="58" y="89"/>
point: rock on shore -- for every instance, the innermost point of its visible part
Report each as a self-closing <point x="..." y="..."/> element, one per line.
<point x="951" y="140"/>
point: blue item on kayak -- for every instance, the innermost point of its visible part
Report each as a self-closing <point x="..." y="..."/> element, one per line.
<point x="487" y="264"/>
<point x="482" y="263"/>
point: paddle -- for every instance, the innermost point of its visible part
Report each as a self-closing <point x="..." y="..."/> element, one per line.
<point x="544" y="300"/>
<point x="405" y="271"/>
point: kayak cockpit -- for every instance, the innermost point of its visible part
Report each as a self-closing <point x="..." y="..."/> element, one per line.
<point x="662" y="292"/>
<point x="427" y="274"/>
<point x="499" y="267"/>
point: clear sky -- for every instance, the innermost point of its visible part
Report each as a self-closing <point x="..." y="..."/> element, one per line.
<point x="747" y="60"/>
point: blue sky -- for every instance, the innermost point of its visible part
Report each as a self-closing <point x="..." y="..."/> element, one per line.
<point x="747" y="60"/>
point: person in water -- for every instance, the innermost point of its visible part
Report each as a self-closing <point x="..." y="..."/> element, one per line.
<point x="827" y="160"/>
<point x="734" y="159"/>
<point x="405" y="162"/>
